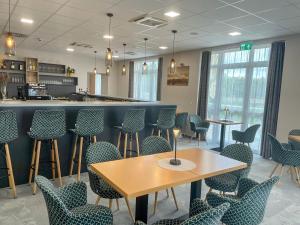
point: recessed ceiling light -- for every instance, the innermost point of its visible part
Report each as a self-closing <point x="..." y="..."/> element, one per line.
<point x="70" y="49"/>
<point x="172" y="14"/>
<point x="25" y="20"/>
<point x="163" y="47"/>
<point x="115" y="56"/>
<point x="235" y="33"/>
<point x="106" y="36"/>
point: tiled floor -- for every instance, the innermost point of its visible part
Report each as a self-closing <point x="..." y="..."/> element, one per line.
<point x="283" y="206"/>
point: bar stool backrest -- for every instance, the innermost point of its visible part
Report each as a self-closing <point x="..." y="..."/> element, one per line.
<point x="166" y="118"/>
<point x="8" y="126"/>
<point x="154" y="144"/>
<point x="90" y="122"/>
<point x="48" y="124"/>
<point x="134" y="120"/>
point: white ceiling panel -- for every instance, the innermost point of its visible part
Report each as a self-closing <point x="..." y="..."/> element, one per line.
<point x="255" y="6"/>
<point x="281" y="13"/>
<point x="198" y="6"/>
<point x="41" y="5"/>
<point x="93" y="6"/>
<point x="243" y="21"/>
<point x="75" y="13"/>
<point x="224" y="13"/>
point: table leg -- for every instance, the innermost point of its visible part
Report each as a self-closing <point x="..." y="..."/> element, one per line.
<point x="195" y="190"/>
<point x="141" y="208"/>
<point x="222" y="138"/>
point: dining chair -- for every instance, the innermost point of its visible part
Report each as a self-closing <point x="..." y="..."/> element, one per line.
<point x="199" y="126"/>
<point x="68" y="205"/>
<point x="248" y="206"/>
<point x="246" y="136"/>
<point x="295" y="145"/>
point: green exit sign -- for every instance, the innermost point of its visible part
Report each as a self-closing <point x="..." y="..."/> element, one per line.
<point x="246" y="46"/>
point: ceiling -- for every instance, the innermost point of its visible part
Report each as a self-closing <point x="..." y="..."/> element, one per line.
<point x="57" y="23"/>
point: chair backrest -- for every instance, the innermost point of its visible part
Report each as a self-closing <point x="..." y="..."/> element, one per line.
<point x="210" y="217"/>
<point x="241" y="153"/>
<point x="134" y="120"/>
<point x="195" y="119"/>
<point x="90" y="122"/>
<point x="251" y="208"/>
<point x="101" y="152"/>
<point x="55" y="206"/>
<point x="8" y="126"/>
<point x="48" y="124"/>
<point x="295" y="132"/>
<point x="277" y="149"/>
<point x="250" y="133"/>
<point x="181" y="119"/>
<point x="166" y="118"/>
<point x="154" y="144"/>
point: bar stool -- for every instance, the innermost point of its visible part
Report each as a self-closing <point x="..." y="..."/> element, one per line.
<point x="47" y="125"/>
<point x="166" y="121"/>
<point x="89" y="123"/>
<point x="134" y="121"/>
<point x="8" y="133"/>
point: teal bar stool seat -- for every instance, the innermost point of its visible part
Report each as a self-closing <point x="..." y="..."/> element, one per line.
<point x="89" y="124"/>
<point x="133" y="123"/>
<point x="165" y="122"/>
<point x="8" y="133"/>
<point x="47" y="125"/>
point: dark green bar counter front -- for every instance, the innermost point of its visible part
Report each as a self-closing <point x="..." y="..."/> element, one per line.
<point x="21" y="148"/>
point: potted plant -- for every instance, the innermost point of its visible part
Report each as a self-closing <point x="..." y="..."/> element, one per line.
<point x="70" y="71"/>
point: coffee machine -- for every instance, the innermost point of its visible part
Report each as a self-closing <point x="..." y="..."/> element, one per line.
<point x="36" y="92"/>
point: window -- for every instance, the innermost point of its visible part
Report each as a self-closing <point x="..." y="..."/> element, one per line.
<point x="238" y="80"/>
<point x="145" y="85"/>
<point x="98" y="84"/>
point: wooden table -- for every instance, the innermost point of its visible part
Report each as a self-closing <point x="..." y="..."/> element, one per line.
<point x="223" y="124"/>
<point x="140" y="176"/>
<point x="294" y="138"/>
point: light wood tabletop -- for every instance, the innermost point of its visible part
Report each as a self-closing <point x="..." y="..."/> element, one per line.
<point x="294" y="138"/>
<point x="142" y="175"/>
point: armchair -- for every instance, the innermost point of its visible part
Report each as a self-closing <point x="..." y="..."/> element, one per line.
<point x="246" y="136"/>
<point x="199" y="126"/>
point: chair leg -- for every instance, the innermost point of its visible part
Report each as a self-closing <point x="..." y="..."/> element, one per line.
<point x="125" y="145"/>
<point x="137" y="143"/>
<point x="152" y="132"/>
<point x="130" y="144"/>
<point x="52" y="160"/>
<point x="175" y="200"/>
<point x="155" y="202"/>
<point x="32" y="162"/>
<point x="79" y="158"/>
<point x="57" y="162"/>
<point x="280" y="174"/>
<point x="36" y="166"/>
<point x="129" y="209"/>
<point x="118" y="206"/>
<point x="273" y="171"/>
<point x="297" y="175"/>
<point x="168" y="135"/>
<point x="97" y="200"/>
<point x="167" y="193"/>
<point x="94" y="139"/>
<point x="119" y="140"/>
<point x="73" y="155"/>
<point x="10" y="171"/>
<point x="110" y="203"/>
<point x="159" y="132"/>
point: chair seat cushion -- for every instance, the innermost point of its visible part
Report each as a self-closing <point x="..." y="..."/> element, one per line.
<point x="168" y="222"/>
<point x="88" y="208"/>
<point x="225" y="182"/>
<point x="46" y="137"/>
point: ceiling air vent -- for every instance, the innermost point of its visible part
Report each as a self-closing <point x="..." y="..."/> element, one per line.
<point x="80" y="44"/>
<point x="149" y="21"/>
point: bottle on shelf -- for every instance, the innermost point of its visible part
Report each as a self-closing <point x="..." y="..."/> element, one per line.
<point x="12" y="65"/>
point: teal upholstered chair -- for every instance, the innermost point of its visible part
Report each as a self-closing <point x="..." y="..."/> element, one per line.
<point x="68" y="205"/>
<point x="133" y="123"/>
<point x="165" y="122"/>
<point x="228" y="182"/>
<point x="246" y="136"/>
<point x="181" y="119"/>
<point x="248" y="207"/>
<point x="198" y="126"/>
<point x="200" y="214"/>
<point x="89" y="124"/>
<point x="153" y="145"/>
<point x="295" y="145"/>
<point x="103" y="152"/>
<point x="8" y="133"/>
<point x="284" y="155"/>
<point x="47" y="126"/>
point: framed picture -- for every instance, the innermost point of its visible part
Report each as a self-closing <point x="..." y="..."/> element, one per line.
<point x="181" y="76"/>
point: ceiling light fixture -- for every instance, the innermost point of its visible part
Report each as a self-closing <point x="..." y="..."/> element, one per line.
<point x="172" y="14"/>
<point x="124" y="66"/>
<point x="116" y="56"/>
<point x="25" y="20"/>
<point x="10" y="43"/>
<point x="95" y="68"/>
<point x="172" y="67"/>
<point x="163" y="47"/>
<point x="145" y="63"/>
<point x="235" y="33"/>
<point x="70" y="49"/>
<point x="107" y="36"/>
<point x="109" y="54"/>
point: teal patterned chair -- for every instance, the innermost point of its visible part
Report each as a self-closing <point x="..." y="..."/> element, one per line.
<point x="199" y="126"/>
<point x="295" y="145"/>
<point x="89" y="124"/>
<point x="165" y="122"/>
<point x="8" y="133"/>
<point x="284" y="155"/>
<point x="133" y="123"/>
<point x="200" y="214"/>
<point x="103" y="152"/>
<point x="68" y="205"/>
<point x="153" y="145"/>
<point x="228" y="182"/>
<point x="248" y="207"/>
<point x="246" y="136"/>
<point x="47" y="126"/>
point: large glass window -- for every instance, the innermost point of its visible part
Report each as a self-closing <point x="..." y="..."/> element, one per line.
<point x="145" y="84"/>
<point x="238" y="80"/>
<point x="98" y="84"/>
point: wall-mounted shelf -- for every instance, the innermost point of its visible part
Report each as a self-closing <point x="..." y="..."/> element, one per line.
<point x="47" y="68"/>
<point x="32" y="68"/>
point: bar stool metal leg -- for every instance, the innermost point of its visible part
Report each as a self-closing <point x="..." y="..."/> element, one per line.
<point x="73" y="155"/>
<point x="79" y="158"/>
<point x="10" y="171"/>
<point x="36" y="166"/>
<point x="94" y="139"/>
<point x="32" y="162"/>
<point x="57" y="162"/>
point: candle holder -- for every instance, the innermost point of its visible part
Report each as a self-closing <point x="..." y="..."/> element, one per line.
<point x="175" y="161"/>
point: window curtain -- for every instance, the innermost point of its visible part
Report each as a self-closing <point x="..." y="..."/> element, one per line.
<point x="131" y="79"/>
<point x="272" y="96"/>
<point x="159" y="78"/>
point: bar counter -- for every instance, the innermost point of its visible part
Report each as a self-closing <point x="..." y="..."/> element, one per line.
<point x="21" y="148"/>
